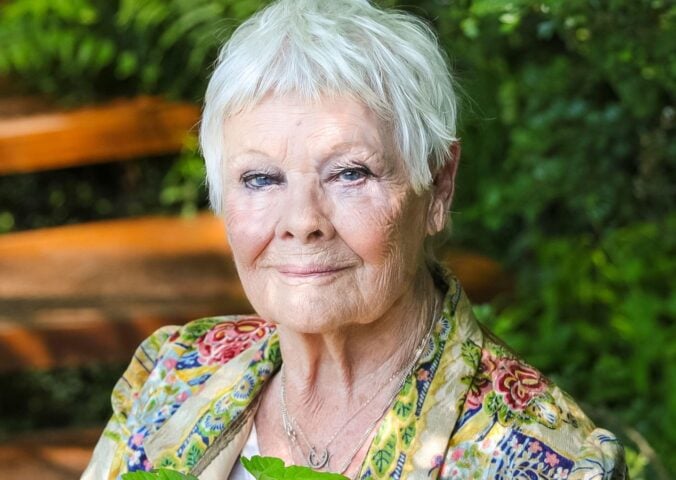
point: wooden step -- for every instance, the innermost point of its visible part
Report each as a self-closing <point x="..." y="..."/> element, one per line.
<point x="48" y="455"/>
<point x="482" y="278"/>
<point x="121" y="130"/>
<point x="90" y="292"/>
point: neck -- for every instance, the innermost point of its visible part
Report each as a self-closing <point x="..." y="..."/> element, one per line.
<point x="346" y="365"/>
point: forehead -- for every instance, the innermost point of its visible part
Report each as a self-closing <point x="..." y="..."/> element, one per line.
<point x="288" y="122"/>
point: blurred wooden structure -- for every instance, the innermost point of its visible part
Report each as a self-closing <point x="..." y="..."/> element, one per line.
<point x="121" y="130"/>
<point x="50" y="455"/>
<point x="91" y="292"/>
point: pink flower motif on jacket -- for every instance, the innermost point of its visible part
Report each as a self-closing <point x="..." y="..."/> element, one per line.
<point x="169" y="363"/>
<point x="457" y="454"/>
<point x="534" y="447"/>
<point x="518" y="383"/>
<point x="227" y="340"/>
<point x="551" y="459"/>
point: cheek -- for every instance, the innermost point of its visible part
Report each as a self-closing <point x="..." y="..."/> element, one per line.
<point x="369" y="230"/>
<point x="381" y="227"/>
<point x="250" y="226"/>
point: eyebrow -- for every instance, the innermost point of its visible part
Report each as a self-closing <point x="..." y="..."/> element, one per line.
<point x="344" y="147"/>
<point x="250" y="151"/>
<point x="338" y="150"/>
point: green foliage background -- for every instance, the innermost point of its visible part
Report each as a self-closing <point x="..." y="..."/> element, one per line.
<point x="568" y="174"/>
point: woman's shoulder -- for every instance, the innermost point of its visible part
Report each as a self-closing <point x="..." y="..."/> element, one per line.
<point x="193" y="350"/>
<point x="524" y="419"/>
<point x="187" y="353"/>
<point x="170" y="366"/>
<point x="216" y="339"/>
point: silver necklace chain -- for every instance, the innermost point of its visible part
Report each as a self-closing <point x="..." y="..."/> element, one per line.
<point x="319" y="460"/>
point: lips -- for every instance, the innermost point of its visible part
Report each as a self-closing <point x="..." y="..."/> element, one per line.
<point x="309" y="270"/>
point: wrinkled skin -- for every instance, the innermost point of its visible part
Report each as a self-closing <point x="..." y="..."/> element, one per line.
<point x="314" y="209"/>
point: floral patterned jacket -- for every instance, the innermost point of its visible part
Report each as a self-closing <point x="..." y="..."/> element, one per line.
<point x="469" y="410"/>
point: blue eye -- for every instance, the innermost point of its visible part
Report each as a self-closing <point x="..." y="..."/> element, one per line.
<point x="353" y="174"/>
<point x="257" y="181"/>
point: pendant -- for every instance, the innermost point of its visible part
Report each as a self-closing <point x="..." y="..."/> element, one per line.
<point x="318" y="461"/>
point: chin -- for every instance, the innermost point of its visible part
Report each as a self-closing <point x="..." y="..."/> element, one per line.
<point x="310" y="313"/>
<point x="309" y="326"/>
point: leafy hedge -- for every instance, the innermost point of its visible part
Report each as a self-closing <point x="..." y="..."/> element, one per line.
<point x="84" y="50"/>
<point x="568" y="173"/>
<point x="569" y="177"/>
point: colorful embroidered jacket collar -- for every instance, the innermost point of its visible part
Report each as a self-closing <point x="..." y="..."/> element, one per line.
<point x="469" y="409"/>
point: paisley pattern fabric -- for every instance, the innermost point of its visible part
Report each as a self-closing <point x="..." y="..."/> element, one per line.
<point x="470" y="409"/>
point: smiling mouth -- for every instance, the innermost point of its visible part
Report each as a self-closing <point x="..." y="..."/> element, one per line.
<point x="308" y="271"/>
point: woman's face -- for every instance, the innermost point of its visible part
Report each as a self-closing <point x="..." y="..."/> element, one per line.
<point x="324" y="226"/>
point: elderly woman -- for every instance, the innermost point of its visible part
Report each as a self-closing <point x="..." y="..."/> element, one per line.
<point x="329" y="138"/>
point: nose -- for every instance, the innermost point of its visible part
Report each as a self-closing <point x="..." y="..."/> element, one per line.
<point x="304" y="215"/>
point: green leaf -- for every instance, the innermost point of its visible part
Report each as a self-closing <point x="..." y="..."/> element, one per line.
<point x="271" y="468"/>
<point x="139" y="476"/>
<point x="408" y="434"/>
<point x="160" y="474"/>
<point x="471" y="353"/>
<point x="165" y="474"/>
<point x="403" y="409"/>
<point x="382" y="459"/>
<point x="305" y="473"/>
<point x="193" y="455"/>
<point x="259" y="466"/>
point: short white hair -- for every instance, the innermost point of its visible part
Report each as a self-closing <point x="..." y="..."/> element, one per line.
<point x="389" y="60"/>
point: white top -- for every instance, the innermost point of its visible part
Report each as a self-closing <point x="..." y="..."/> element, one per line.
<point x="250" y="449"/>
